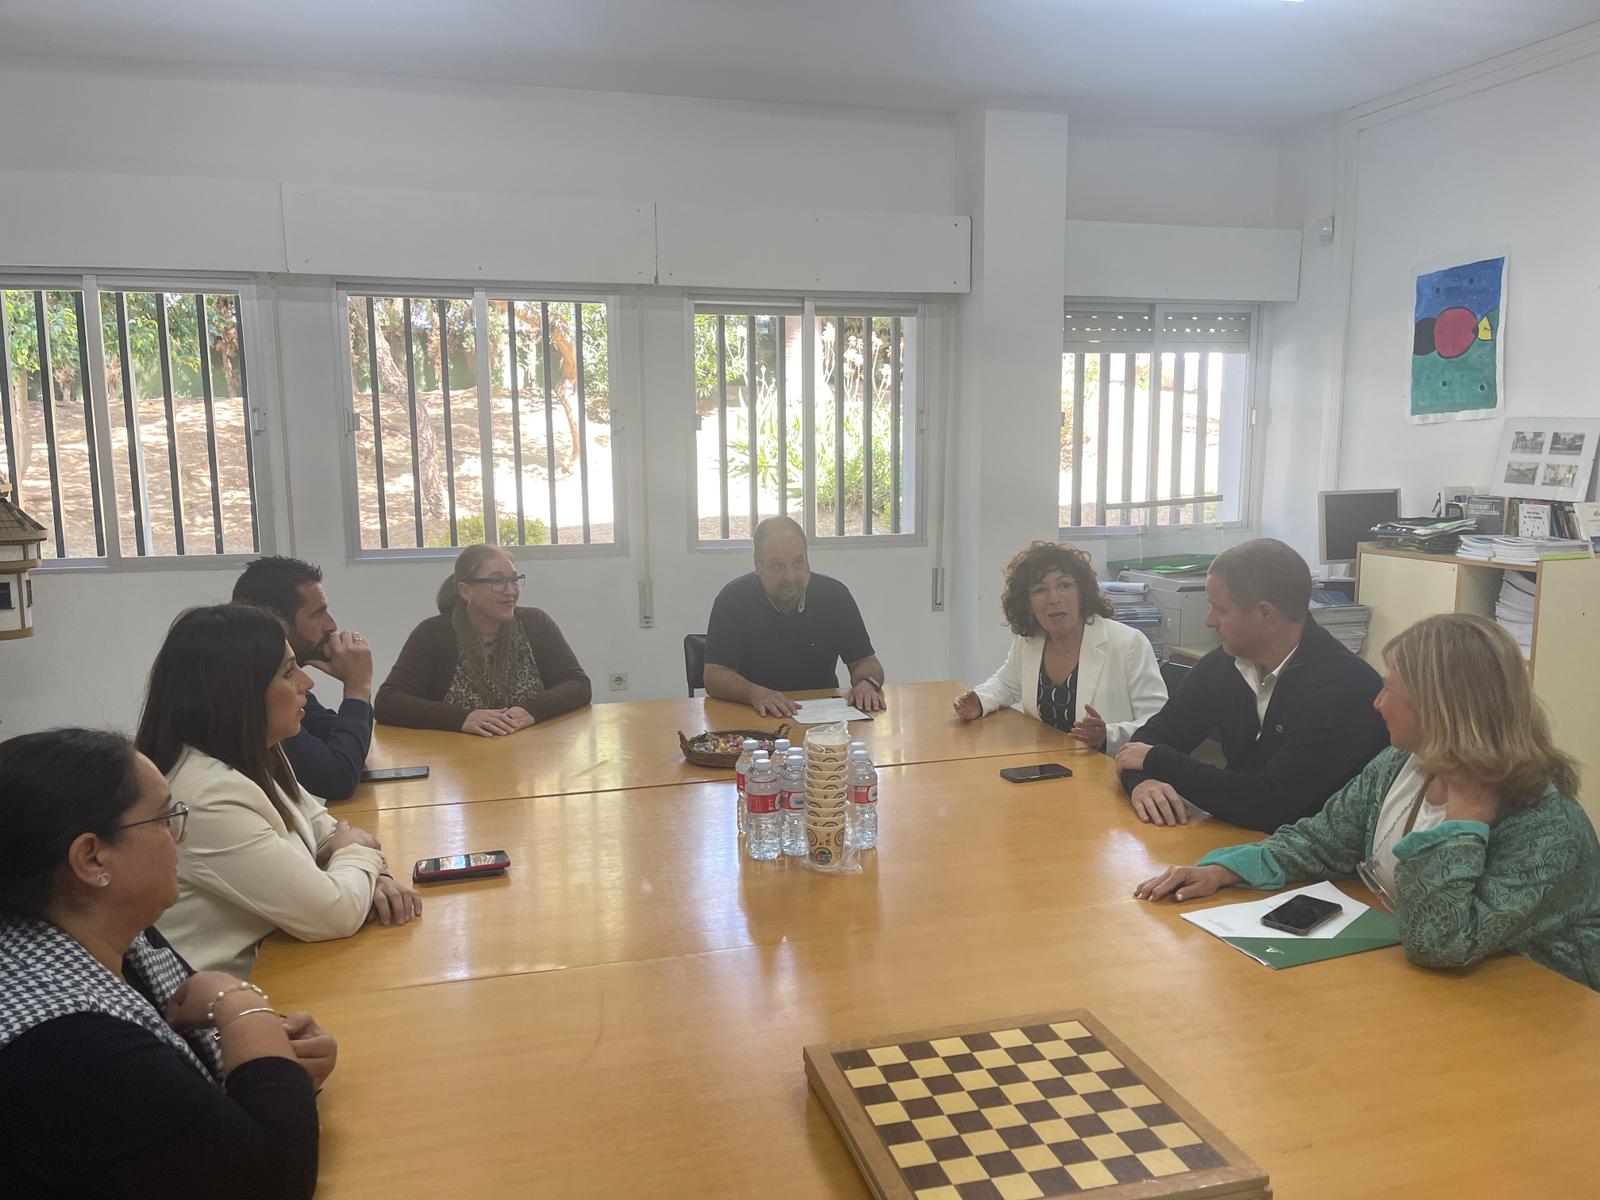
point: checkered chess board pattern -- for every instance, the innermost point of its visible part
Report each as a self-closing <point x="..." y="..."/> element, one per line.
<point x="1038" y="1110"/>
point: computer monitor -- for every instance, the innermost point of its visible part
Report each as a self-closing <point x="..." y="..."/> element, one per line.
<point x="1345" y="518"/>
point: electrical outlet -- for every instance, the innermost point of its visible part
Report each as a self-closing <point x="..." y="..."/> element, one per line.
<point x="619" y="681"/>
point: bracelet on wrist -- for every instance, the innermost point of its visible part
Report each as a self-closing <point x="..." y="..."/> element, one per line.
<point x="211" y="1009"/>
<point x="260" y="1008"/>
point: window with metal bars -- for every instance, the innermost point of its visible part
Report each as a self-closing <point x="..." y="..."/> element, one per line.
<point x="1155" y="405"/>
<point x="807" y="410"/>
<point x="125" y="419"/>
<point x="443" y="434"/>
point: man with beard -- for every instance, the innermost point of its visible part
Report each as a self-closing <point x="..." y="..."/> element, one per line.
<point x="330" y="750"/>
<point x="783" y="629"/>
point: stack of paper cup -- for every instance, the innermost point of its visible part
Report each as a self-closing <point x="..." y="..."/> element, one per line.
<point x="827" y="796"/>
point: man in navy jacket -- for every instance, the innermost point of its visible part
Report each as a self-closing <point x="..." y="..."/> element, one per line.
<point x="330" y="751"/>
<point x="1291" y="706"/>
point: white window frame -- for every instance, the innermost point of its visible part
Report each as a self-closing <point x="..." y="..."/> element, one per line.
<point x="351" y="414"/>
<point x="913" y="376"/>
<point x="260" y="364"/>
<point x="1156" y="347"/>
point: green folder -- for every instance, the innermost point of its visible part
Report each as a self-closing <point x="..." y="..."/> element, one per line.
<point x="1372" y="930"/>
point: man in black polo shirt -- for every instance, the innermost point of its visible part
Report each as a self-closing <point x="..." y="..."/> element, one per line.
<point x="783" y="629"/>
<point x="1290" y="705"/>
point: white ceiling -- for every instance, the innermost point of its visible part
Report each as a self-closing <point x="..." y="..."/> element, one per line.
<point x="1226" y="65"/>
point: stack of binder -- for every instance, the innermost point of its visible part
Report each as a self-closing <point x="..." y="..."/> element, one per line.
<point x="1346" y="621"/>
<point x="1514" y="609"/>
<point x="1130" y="603"/>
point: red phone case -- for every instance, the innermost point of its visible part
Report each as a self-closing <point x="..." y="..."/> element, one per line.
<point x="418" y="875"/>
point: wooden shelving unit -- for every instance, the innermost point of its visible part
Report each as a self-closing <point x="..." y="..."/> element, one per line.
<point x="1403" y="586"/>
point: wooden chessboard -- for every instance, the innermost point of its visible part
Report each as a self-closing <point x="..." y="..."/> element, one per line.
<point x="1033" y="1107"/>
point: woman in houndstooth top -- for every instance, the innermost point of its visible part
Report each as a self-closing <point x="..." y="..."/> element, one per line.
<point x="122" y="1072"/>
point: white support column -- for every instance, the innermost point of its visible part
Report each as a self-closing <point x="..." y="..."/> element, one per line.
<point x="1013" y="179"/>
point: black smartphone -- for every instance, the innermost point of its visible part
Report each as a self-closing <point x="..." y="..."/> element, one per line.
<point x="460" y="866"/>
<point x="1301" y="915"/>
<point x="383" y="773"/>
<point x="1033" y="774"/>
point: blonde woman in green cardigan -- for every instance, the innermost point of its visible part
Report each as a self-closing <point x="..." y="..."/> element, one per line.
<point x="1466" y="825"/>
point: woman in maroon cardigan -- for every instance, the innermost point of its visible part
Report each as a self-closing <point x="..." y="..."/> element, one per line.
<point x="483" y="665"/>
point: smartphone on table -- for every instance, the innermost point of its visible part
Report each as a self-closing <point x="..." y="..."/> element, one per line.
<point x="460" y="866"/>
<point x="1301" y="914"/>
<point x="1035" y="773"/>
<point x="381" y="774"/>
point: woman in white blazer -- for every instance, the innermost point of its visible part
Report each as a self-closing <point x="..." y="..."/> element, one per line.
<point x="1070" y="665"/>
<point x="260" y="854"/>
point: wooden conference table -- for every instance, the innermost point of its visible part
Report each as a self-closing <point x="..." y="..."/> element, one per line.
<point x="607" y="747"/>
<point x="623" y="1013"/>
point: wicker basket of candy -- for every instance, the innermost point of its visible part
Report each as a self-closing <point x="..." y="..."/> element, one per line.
<point x="721" y="747"/>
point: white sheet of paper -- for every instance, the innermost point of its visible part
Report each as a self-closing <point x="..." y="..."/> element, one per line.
<point x="1244" y="920"/>
<point x="828" y="711"/>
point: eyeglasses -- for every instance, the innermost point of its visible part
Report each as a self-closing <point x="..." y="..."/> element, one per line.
<point x="502" y="583"/>
<point x="176" y="817"/>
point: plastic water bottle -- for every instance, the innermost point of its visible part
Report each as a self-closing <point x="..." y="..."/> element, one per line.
<point x="740" y="769"/>
<point x="792" y="796"/>
<point x="855" y="747"/>
<point x="780" y="751"/>
<point x="861" y="819"/>
<point x="763" y="823"/>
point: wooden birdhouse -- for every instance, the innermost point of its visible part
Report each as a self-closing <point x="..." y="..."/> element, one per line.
<point x="20" y="540"/>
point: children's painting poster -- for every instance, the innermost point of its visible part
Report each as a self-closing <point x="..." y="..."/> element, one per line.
<point x="1457" y="356"/>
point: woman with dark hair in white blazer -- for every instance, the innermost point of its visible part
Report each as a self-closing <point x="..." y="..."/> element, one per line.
<point x="1070" y="664"/>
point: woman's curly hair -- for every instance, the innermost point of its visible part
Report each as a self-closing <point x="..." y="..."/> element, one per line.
<point x="1032" y="565"/>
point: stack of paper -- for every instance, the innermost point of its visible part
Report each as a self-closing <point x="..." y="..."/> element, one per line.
<point x="1479" y="546"/>
<point x="1131" y="605"/>
<point x="1346" y="621"/>
<point x="829" y="710"/>
<point x="1429" y="534"/>
<point x="1514" y="609"/>
<point x="1555" y="547"/>
<point x="1358" y="927"/>
<point x="1512" y="549"/>
<point x="1528" y="551"/>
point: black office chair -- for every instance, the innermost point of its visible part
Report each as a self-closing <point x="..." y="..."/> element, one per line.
<point x="694" y="661"/>
<point x="1173" y="674"/>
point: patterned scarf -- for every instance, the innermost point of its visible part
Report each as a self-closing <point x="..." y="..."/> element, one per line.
<point x="45" y="973"/>
<point x="504" y="675"/>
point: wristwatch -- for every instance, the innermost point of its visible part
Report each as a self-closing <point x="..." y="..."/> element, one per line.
<point x="876" y="685"/>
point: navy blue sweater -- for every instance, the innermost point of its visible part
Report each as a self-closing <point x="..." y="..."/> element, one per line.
<point x="1320" y="730"/>
<point x="330" y="751"/>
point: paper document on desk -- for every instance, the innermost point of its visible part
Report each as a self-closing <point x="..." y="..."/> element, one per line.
<point x="830" y="710"/>
<point x="1359" y="927"/>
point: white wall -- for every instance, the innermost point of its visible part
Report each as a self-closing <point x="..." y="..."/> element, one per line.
<point x="1510" y="167"/>
<point x="98" y="631"/>
<point x="381" y="131"/>
<point x="1014" y="166"/>
<point x="1497" y="157"/>
<point x="1172" y="177"/>
<point x="1303" y="346"/>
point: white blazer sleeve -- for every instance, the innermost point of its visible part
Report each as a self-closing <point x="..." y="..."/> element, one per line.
<point x="237" y="853"/>
<point x="1147" y="691"/>
<point x="1002" y="689"/>
<point x="323" y="826"/>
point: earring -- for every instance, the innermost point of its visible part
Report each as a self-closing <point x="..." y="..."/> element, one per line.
<point x="103" y="881"/>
